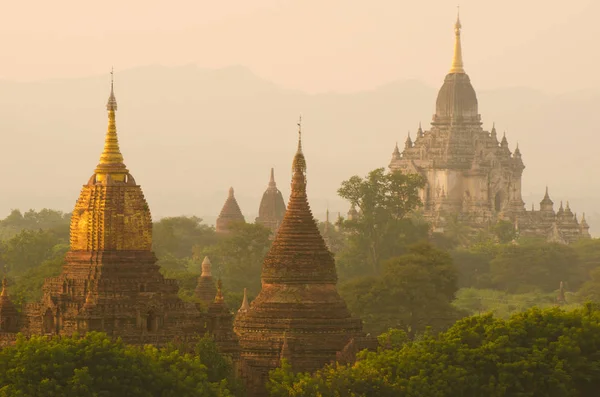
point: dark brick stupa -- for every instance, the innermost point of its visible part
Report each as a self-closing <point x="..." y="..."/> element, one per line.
<point x="298" y="313"/>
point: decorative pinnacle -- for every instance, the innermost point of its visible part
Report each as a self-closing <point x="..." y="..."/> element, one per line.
<point x="111" y="159"/>
<point x="231" y="192"/>
<point x="245" y="306"/>
<point x="112" y="101"/>
<point x="300" y="134"/>
<point x="457" y="61"/>
<point x="4" y="289"/>
<point x="272" y="179"/>
<point x="206" y="268"/>
<point x="299" y="163"/>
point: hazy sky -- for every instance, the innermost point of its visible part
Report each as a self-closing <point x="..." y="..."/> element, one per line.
<point x="312" y="45"/>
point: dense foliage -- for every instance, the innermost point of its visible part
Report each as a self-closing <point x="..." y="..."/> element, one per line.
<point x="535" y="353"/>
<point x="385" y="202"/>
<point x="414" y="291"/>
<point x="95" y="365"/>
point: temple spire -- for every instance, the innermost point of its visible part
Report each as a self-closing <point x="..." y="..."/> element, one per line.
<point x="4" y="289"/>
<point x="299" y="163"/>
<point x="111" y="159"/>
<point x="245" y="306"/>
<point x="457" y="61"/>
<point x="272" y="179"/>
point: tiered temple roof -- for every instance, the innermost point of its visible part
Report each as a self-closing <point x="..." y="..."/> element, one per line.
<point x="298" y="312"/>
<point x="230" y="213"/>
<point x="272" y="207"/>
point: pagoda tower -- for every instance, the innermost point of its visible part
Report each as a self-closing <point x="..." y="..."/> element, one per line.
<point x="298" y="309"/>
<point x="205" y="289"/>
<point x="272" y="206"/>
<point x="230" y="213"/>
<point x="110" y="281"/>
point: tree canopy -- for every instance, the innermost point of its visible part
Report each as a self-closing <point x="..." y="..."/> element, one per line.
<point x="548" y="352"/>
<point x="96" y="366"/>
<point x="414" y="291"/>
<point x="385" y="201"/>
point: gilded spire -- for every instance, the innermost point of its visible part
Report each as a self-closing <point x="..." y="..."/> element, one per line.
<point x="111" y="159"/>
<point x="457" y="61"/>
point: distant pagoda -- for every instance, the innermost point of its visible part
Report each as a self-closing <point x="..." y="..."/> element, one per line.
<point x="272" y="207"/>
<point x="298" y="313"/>
<point x="230" y="213"/>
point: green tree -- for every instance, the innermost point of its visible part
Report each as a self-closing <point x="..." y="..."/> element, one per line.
<point x="28" y="249"/>
<point x="590" y="290"/>
<point x="588" y="252"/>
<point x="526" y="267"/>
<point x="549" y="352"/>
<point x="458" y="232"/>
<point x="473" y="265"/>
<point x="177" y="236"/>
<point x="237" y="258"/>
<point x="414" y="292"/>
<point x="385" y="201"/>
<point x="45" y="219"/>
<point x="28" y="286"/>
<point x="505" y="231"/>
<point x="97" y="366"/>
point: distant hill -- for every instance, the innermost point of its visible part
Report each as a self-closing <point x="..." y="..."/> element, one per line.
<point x="189" y="133"/>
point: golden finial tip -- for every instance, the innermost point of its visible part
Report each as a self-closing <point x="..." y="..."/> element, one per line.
<point x="457" y="61"/>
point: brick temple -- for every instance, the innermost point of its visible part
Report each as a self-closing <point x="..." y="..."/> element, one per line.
<point x="272" y="207"/>
<point x="110" y="281"/>
<point x="298" y="314"/>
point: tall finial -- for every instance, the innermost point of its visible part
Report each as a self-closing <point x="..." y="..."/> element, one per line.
<point x="300" y="133"/>
<point x="299" y="163"/>
<point x="245" y="306"/>
<point x="111" y="159"/>
<point x="231" y="192"/>
<point x="272" y="179"/>
<point x="457" y="61"/>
